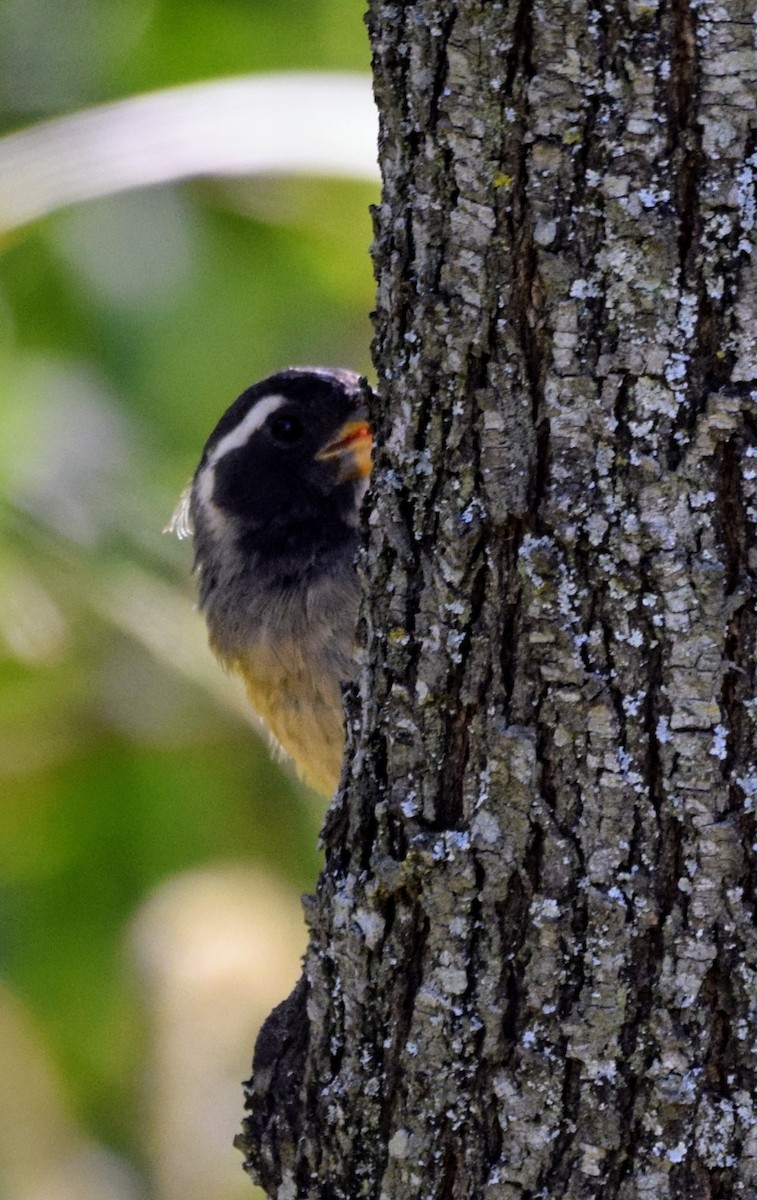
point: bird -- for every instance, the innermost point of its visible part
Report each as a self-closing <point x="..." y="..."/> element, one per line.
<point x="274" y="510"/>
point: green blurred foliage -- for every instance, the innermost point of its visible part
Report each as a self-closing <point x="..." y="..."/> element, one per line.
<point x="126" y="326"/>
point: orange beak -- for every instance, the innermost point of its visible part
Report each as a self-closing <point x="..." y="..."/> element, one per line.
<point x="353" y="443"/>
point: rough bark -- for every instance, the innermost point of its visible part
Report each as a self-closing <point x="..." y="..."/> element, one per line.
<point x="533" y="963"/>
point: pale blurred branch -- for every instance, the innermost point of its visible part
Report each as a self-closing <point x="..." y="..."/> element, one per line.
<point x="304" y="123"/>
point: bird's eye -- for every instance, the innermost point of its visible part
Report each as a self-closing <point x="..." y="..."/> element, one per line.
<point x="286" y="428"/>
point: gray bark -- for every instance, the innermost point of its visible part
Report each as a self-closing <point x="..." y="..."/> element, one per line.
<point x="533" y="962"/>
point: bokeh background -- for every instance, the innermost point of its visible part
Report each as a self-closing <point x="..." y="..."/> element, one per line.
<point x="152" y="854"/>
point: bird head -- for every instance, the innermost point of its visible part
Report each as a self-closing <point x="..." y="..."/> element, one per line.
<point x="282" y="475"/>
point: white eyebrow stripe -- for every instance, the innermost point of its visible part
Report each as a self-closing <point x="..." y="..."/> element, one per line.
<point x="256" y="417"/>
<point x="205" y="485"/>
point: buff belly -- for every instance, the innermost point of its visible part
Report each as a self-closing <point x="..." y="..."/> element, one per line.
<point x="301" y="704"/>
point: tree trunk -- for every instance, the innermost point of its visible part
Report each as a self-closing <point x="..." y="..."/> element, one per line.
<point x="533" y="963"/>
